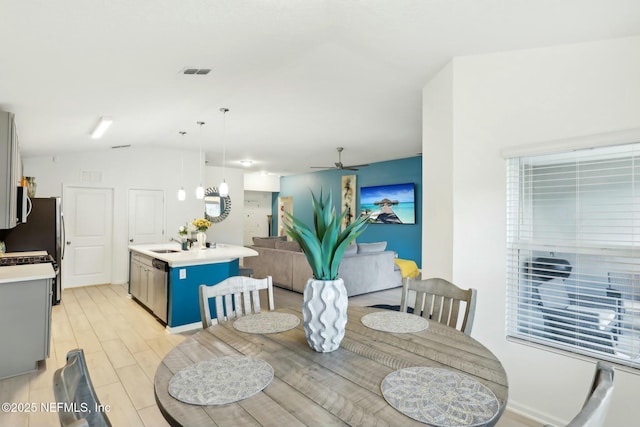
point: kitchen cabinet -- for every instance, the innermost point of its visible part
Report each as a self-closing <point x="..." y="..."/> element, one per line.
<point x="25" y="324"/>
<point x="135" y="273"/>
<point x="10" y="171"/>
<point x="141" y="279"/>
<point x="148" y="283"/>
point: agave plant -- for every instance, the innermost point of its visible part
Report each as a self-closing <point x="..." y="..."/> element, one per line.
<point x="324" y="247"/>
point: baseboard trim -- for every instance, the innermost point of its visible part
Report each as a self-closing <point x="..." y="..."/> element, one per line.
<point x="188" y="327"/>
<point x="532" y="414"/>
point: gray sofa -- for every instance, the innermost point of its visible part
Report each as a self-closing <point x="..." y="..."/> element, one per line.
<point x="367" y="267"/>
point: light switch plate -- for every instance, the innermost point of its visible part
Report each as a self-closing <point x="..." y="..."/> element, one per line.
<point x="183" y="273"/>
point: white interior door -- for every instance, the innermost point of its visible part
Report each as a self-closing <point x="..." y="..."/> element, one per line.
<point x="146" y="216"/>
<point x="88" y="214"/>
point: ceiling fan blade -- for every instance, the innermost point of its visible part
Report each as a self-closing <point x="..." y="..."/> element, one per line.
<point x="339" y="165"/>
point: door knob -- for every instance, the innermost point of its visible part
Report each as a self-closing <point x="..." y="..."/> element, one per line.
<point x="131" y="240"/>
<point x="68" y="242"/>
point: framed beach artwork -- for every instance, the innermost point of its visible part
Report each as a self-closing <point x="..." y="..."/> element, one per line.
<point x="348" y="199"/>
<point x="389" y="204"/>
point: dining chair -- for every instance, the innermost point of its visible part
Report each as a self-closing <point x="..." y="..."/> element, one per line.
<point x="594" y="410"/>
<point x="78" y="403"/>
<point x="235" y="296"/>
<point x="438" y="299"/>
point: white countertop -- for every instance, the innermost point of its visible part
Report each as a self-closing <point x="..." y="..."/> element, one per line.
<point x="26" y="253"/>
<point x="221" y="253"/>
<point x="22" y="273"/>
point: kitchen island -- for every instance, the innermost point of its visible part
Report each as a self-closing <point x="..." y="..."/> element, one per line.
<point x="165" y="279"/>
<point x="25" y="315"/>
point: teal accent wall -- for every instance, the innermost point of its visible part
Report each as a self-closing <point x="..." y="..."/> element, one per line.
<point x="405" y="239"/>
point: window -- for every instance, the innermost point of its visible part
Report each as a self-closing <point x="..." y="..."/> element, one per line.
<point x="573" y="251"/>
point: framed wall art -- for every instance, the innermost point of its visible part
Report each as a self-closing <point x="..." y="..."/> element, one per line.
<point x="348" y="199"/>
<point x="389" y="204"/>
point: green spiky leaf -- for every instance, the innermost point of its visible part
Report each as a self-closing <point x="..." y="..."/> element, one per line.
<point x="324" y="246"/>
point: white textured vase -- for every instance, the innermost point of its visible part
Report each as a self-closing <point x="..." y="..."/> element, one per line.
<point x="201" y="238"/>
<point x="324" y="310"/>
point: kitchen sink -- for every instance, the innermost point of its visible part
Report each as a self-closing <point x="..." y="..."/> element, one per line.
<point x="164" y="251"/>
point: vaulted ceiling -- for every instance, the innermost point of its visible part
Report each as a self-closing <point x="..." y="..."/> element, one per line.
<point x="300" y="78"/>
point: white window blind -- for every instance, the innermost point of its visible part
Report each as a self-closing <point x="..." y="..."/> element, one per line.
<point x="573" y="259"/>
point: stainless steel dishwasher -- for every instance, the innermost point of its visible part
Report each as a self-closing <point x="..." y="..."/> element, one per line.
<point x="159" y="289"/>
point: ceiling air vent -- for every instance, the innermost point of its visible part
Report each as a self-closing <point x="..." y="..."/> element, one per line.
<point x="90" y="176"/>
<point x="196" y="71"/>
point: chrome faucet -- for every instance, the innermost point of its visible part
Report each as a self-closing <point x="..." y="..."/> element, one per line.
<point x="189" y="242"/>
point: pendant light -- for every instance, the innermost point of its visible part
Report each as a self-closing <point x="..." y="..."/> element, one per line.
<point x="224" y="188"/>
<point x="200" y="189"/>
<point x="181" y="193"/>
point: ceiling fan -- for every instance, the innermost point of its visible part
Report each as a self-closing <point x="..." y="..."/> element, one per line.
<point x="339" y="165"/>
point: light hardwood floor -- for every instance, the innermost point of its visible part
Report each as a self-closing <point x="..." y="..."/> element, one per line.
<point x="123" y="345"/>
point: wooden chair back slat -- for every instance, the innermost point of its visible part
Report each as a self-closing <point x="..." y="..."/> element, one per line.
<point x="72" y="386"/>
<point x="440" y="300"/>
<point x="234" y="297"/>
<point x="595" y="408"/>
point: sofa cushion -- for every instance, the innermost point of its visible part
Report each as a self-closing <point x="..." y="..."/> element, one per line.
<point x="367" y="248"/>
<point x="267" y="242"/>
<point x="288" y="246"/>
<point x="364" y="273"/>
<point x="271" y="262"/>
<point x="351" y="250"/>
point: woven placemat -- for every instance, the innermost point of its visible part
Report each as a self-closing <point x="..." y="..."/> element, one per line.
<point x="393" y="321"/>
<point x="221" y="380"/>
<point x="269" y="322"/>
<point x="440" y="397"/>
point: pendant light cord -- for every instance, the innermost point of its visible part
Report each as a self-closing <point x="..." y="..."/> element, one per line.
<point x="200" y="188"/>
<point x="181" y="193"/>
<point x="200" y="155"/>
<point x="224" y="187"/>
<point x="224" y="139"/>
<point x="182" y="133"/>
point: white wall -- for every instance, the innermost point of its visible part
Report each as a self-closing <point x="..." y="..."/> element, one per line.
<point x="257" y="181"/>
<point x="140" y="168"/>
<point x="514" y="99"/>
<point x="230" y="230"/>
<point x="437" y="175"/>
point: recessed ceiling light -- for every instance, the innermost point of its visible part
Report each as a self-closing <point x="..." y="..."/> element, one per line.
<point x="246" y="163"/>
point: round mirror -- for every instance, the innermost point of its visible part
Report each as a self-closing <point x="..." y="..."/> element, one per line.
<point x="216" y="208"/>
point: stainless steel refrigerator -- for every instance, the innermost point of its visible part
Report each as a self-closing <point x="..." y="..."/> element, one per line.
<point x="43" y="231"/>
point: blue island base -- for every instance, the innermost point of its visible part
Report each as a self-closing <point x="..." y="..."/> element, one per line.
<point x="183" y="290"/>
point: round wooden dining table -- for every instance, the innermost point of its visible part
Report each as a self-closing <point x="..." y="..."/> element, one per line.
<point x="325" y="389"/>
